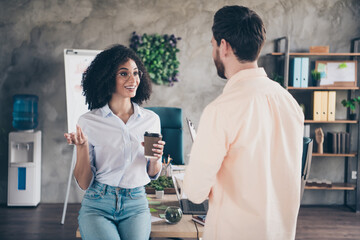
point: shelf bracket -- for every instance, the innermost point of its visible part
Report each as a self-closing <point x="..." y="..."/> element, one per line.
<point x="355" y="45"/>
<point x="287" y="57"/>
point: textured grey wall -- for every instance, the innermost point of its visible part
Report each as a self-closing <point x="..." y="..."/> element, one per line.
<point x="34" y="34"/>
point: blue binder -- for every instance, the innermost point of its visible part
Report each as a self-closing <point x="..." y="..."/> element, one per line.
<point x="295" y="72"/>
<point x="304" y="72"/>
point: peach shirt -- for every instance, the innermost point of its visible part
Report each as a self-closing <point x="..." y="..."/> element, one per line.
<point x="247" y="159"/>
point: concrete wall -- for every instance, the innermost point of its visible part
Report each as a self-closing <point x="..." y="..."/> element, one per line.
<point x="34" y="34"/>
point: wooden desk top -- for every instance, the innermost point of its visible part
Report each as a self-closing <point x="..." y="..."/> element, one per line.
<point x="186" y="228"/>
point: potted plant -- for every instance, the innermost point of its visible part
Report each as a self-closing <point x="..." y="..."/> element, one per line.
<point x="158" y="53"/>
<point x="159" y="191"/>
<point x="351" y="103"/>
<point x="316" y="77"/>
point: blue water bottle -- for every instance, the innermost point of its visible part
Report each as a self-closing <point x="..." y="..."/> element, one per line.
<point x="25" y="111"/>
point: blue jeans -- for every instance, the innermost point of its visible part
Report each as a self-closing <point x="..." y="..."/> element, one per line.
<point x="113" y="213"/>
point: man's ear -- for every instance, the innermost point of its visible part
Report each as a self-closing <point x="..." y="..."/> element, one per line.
<point x="225" y="48"/>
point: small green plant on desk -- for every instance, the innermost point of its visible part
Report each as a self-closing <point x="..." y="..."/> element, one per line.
<point x="159" y="192"/>
<point x="163" y="182"/>
<point x="351" y="103"/>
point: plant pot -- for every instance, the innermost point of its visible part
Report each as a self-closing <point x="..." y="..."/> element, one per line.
<point x="159" y="194"/>
<point x="352" y="116"/>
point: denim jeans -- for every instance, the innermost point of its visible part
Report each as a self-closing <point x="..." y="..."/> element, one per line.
<point x="113" y="213"/>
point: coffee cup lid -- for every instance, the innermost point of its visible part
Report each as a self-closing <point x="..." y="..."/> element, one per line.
<point x="147" y="134"/>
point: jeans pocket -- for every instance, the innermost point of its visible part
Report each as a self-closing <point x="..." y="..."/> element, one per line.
<point x="137" y="193"/>
<point x="93" y="193"/>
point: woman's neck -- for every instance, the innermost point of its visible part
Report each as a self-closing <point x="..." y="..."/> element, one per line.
<point x="121" y="107"/>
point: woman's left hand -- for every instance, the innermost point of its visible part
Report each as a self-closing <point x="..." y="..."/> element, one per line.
<point x="157" y="149"/>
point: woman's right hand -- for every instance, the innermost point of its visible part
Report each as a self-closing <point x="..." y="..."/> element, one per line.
<point x="78" y="138"/>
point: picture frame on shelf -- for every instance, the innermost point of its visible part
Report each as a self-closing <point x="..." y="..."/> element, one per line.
<point x="337" y="73"/>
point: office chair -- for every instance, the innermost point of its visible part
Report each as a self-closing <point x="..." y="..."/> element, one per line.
<point x="172" y="132"/>
<point x="306" y="162"/>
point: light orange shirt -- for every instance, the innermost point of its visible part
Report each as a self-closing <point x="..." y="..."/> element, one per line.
<point x="247" y="158"/>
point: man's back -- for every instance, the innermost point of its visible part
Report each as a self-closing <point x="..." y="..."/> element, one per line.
<point x="247" y="155"/>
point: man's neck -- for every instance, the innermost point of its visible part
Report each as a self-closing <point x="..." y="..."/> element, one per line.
<point x="234" y="67"/>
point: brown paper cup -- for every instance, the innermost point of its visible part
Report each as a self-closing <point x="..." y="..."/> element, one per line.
<point x="149" y="140"/>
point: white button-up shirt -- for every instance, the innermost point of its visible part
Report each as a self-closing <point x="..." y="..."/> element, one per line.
<point x="247" y="159"/>
<point x="116" y="154"/>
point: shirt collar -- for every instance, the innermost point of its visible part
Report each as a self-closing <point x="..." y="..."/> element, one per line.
<point x="106" y="111"/>
<point x="242" y="75"/>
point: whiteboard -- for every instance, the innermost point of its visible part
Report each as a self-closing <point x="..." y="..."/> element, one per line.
<point x="76" y="62"/>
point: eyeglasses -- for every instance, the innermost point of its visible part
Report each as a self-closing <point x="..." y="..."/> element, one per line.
<point x="125" y="75"/>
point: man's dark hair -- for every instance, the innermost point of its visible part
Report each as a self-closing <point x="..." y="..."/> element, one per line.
<point x="242" y="28"/>
<point x="99" y="80"/>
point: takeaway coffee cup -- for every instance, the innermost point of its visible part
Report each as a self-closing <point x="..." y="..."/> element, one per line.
<point x="149" y="140"/>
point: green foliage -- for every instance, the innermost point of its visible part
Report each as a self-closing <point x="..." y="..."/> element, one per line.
<point x="316" y="75"/>
<point x="158" y="52"/>
<point x="351" y="103"/>
<point x="161" y="183"/>
<point x="159" y="188"/>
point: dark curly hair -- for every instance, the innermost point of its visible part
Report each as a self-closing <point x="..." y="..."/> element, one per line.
<point x="99" y="79"/>
<point x="242" y="28"/>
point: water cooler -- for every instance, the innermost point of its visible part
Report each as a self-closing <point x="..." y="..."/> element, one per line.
<point x="24" y="169"/>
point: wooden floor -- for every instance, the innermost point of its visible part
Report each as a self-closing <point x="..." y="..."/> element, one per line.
<point x="43" y="222"/>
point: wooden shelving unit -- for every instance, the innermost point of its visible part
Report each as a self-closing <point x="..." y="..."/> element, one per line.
<point x="323" y="88"/>
<point x="334" y="155"/>
<point x="317" y="54"/>
<point x="352" y="126"/>
<point x="336" y="121"/>
<point x="335" y="186"/>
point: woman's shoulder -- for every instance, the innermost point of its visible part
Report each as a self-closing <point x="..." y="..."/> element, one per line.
<point x="147" y="113"/>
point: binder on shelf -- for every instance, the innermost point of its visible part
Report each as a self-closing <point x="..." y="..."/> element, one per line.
<point x="307" y="130"/>
<point x="347" y="143"/>
<point x="324" y="106"/>
<point x="304" y="72"/>
<point x="331" y="106"/>
<point x="317" y="106"/>
<point x="295" y="72"/>
<point x="338" y="142"/>
<point x="332" y="142"/>
<point x="343" y="142"/>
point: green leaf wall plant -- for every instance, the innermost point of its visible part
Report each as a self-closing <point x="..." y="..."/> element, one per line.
<point x="158" y="52"/>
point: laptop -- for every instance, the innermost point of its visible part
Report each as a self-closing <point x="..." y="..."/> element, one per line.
<point x="186" y="205"/>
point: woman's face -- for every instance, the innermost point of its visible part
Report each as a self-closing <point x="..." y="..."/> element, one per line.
<point x="127" y="79"/>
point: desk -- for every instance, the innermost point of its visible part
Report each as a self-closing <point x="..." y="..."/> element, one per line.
<point x="186" y="228"/>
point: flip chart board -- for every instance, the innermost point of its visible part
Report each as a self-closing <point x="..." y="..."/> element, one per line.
<point x="76" y="62"/>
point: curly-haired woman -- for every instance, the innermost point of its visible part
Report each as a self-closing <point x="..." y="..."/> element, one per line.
<point x="110" y="164"/>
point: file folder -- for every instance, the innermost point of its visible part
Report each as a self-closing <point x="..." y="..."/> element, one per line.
<point x="324" y="106"/>
<point x="304" y="72"/>
<point x="331" y="106"/>
<point x="317" y="106"/>
<point x="295" y="72"/>
<point x="332" y="142"/>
